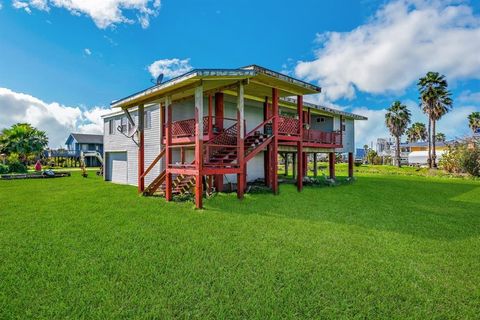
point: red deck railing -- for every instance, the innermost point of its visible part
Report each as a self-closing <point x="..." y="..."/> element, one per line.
<point x="322" y="137"/>
<point x="186" y="128"/>
<point x="288" y="126"/>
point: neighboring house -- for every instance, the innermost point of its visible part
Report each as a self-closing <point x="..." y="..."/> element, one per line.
<point x="417" y="152"/>
<point x="216" y="127"/>
<point x="89" y="144"/>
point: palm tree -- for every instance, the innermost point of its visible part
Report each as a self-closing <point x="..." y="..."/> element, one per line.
<point x="397" y="119"/>
<point x="474" y="121"/>
<point x="440" y="137"/>
<point x="435" y="102"/>
<point x="417" y="132"/>
<point x="22" y="139"/>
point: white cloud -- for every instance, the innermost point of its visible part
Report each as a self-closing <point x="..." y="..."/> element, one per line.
<point x="87" y="51"/>
<point x="56" y="119"/>
<point x="468" y="96"/>
<point x="104" y="13"/>
<point x="1" y="5"/>
<point x="454" y="124"/>
<point x="110" y="41"/>
<point x="170" y="68"/>
<point x="404" y="40"/>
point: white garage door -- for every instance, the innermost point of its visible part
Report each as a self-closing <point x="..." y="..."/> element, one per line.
<point x="117" y="167"/>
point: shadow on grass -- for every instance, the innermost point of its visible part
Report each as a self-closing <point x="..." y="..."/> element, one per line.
<point x="421" y="207"/>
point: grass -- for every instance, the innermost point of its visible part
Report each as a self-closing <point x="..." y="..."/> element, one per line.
<point x="386" y="246"/>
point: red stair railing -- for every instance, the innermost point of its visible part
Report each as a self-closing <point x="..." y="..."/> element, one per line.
<point x="154" y="162"/>
<point x="223" y="145"/>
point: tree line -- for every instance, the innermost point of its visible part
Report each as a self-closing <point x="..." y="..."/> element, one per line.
<point x="435" y="102"/>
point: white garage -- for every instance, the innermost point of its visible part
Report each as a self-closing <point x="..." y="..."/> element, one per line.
<point x="116" y="167"/>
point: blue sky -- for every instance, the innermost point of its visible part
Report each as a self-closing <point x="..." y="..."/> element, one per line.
<point x="71" y="59"/>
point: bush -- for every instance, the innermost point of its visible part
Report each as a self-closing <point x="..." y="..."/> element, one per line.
<point x="14" y="164"/>
<point x="462" y="157"/>
<point x="17" y="167"/>
<point x="3" y="169"/>
<point x="450" y="159"/>
<point x="470" y="161"/>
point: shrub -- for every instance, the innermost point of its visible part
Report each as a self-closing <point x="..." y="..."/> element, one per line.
<point x="3" y="169"/>
<point x="450" y="159"/>
<point x="14" y="164"/>
<point x="470" y="161"/>
<point x="17" y="167"/>
<point x="371" y="155"/>
<point x="377" y="160"/>
<point x="462" y="157"/>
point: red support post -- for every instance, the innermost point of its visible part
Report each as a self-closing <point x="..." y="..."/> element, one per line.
<point x="199" y="146"/>
<point x="240" y="143"/>
<point x="350" y="164"/>
<point x="210" y="119"/>
<point x="300" y="144"/>
<point x="276" y="119"/>
<point x="305" y="164"/>
<point x="168" y="151"/>
<point x="219" y="112"/>
<point x="141" y="149"/>
<point x="162" y="121"/>
<point x="341" y="131"/>
<point x="331" y="164"/>
<point x="210" y="183"/>
<point x="267" y="156"/>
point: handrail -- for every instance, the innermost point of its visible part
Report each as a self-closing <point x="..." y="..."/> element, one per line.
<point x="319" y="136"/>
<point x="259" y="126"/>
<point x="154" y="162"/>
<point x="229" y="132"/>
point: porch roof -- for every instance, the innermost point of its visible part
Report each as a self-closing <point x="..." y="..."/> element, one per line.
<point x="259" y="81"/>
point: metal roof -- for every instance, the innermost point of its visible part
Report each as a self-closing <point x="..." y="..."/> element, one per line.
<point x="259" y="76"/>
<point x="425" y="144"/>
<point x="86" y="138"/>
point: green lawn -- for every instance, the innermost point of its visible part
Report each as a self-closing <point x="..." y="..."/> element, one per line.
<point x="386" y="246"/>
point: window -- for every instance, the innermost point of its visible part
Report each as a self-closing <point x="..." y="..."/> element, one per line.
<point x="123" y="124"/>
<point x="321" y="119"/>
<point x="148" y="120"/>
<point x="111" y="126"/>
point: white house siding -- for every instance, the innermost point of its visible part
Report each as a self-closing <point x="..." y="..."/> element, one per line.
<point x="118" y="142"/>
<point x="318" y="124"/>
<point x="348" y="137"/>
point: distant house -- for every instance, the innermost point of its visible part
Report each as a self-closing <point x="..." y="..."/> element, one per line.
<point x="417" y="152"/>
<point x="89" y="144"/>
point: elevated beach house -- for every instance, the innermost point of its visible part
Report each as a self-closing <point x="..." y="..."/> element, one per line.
<point x="212" y="127"/>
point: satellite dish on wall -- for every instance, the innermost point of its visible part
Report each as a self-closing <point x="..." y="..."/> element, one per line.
<point x="160" y="78"/>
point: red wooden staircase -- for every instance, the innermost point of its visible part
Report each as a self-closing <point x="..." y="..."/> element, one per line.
<point x="181" y="184"/>
<point x="256" y="141"/>
<point x="220" y="152"/>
